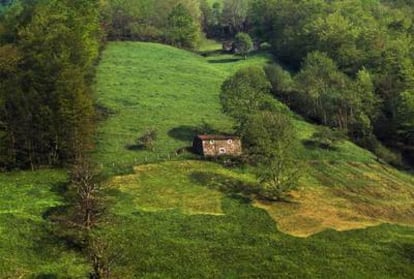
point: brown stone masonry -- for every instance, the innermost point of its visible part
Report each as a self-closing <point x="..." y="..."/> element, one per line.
<point x="217" y="145"/>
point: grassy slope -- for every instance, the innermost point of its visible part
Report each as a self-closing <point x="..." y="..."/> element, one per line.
<point x="175" y="221"/>
<point x="26" y="246"/>
<point x="154" y="86"/>
<point x="178" y="219"/>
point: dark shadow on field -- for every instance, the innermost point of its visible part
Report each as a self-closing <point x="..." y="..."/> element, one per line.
<point x="228" y="185"/>
<point x="102" y="112"/>
<point x="313" y="145"/>
<point x="234" y="188"/>
<point x="183" y="133"/>
<point x="208" y="53"/>
<point x="408" y="252"/>
<point x="39" y="239"/>
<point x="46" y="276"/>
<point x="226" y="60"/>
<point x="187" y="133"/>
<point x="34" y="238"/>
<point x="60" y="216"/>
<point x="135" y="147"/>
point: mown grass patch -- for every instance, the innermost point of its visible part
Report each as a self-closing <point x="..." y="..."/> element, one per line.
<point x="346" y="196"/>
<point x="27" y="245"/>
<point x="192" y="187"/>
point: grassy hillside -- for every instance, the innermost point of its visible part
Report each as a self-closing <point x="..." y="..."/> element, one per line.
<point x="177" y="220"/>
<point x="350" y="218"/>
<point x="27" y="248"/>
<point x="153" y="86"/>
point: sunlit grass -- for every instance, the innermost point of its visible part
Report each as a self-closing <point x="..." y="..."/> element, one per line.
<point x="27" y="245"/>
<point x="148" y="85"/>
<point x="346" y="196"/>
<point x="191" y="219"/>
<point x="166" y="186"/>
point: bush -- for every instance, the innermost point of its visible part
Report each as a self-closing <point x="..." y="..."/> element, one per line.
<point x="281" y="80"/>
<point x="327" y="138"/>
<point x="265" y="46"/>
<point x="387" y="155"/>
<point x="270" y="138"/>
<point x="243" y="44"/>
<point x="147" y="140"/>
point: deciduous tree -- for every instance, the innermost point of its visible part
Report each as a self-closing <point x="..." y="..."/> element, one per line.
<point x="182" y="30"/>
<point x="244" y="93"/>
<point x="243" y="44"/>
<point x="270" y="138"/>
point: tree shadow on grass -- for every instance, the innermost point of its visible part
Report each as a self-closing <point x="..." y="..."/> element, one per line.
<point x="59" y="216"/>
<point x="187" y="133"/>
<point x="103" y="112"/>
<point x="208" y="53"/>
<point x="226" y="60"/>
<point x="228" y="185"/>
<point x="183" y="133"/>
<point x="313" y="145"/>
<point x="46" y="246"/>
<point x="408" y="251"/>
<point x="135" y="147"/>
<point x="47" y="276"/>
<point x="235" y="188"/>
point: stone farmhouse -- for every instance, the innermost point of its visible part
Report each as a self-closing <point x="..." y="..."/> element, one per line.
<point x="217" y="145"/>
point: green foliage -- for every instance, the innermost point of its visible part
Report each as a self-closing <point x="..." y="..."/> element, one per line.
<point x="324" y="94"/>
<point x="147" y="242"/>
<point x="176" y="23"/>
<point x="323" y="90"/>
<point x="368" y="42"/>
<point x="327" y="137"/>
<point x="405" y="116"/>
<point x="163" y="87"/>
<point x="182" y="30"/>
<point x="270" y="138"/>
<point x="243" y="44"/>
<point x="47" y="104"/>
<point x="280" y="79"/>
<point x="212" y="19"/>
<point x="140" y="223"/>
<point x="384" y="154"/>
<point x="234" y="15"/>
<point x="147" y="140"/>
<point x="244" y="93"/>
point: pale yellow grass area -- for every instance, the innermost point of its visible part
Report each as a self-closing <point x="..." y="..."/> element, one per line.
<point x="170" y="185"/>
<point x="372" y="195"/>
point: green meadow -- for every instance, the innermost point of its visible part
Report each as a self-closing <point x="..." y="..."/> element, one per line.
<point x="28" y="249"/>
<point x="145" y="85"/>
<point x="178" y="216"/>
<point x="181" y="217"/>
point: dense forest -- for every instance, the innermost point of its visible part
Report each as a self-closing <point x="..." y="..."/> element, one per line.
<point x="348" y="65"/>
<point x="48" y="50"/>
<point x="352" y="65"/>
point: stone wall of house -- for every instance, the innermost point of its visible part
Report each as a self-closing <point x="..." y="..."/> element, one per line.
<point x="218" y="147"/>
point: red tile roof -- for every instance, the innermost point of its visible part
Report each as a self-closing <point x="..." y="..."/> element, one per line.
<point x="216" y="137"/>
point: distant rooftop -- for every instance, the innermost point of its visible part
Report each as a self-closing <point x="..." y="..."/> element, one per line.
<point x="216" y="137"/>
